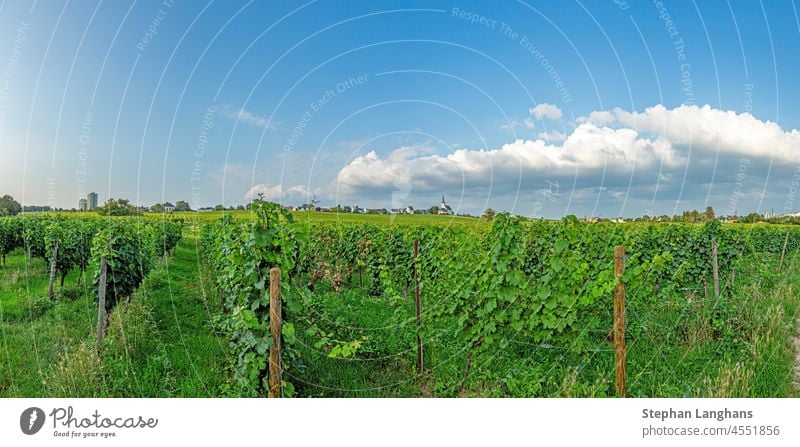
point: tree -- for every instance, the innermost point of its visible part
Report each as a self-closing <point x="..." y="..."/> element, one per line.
<point x="9" y="206"/>
<point x="35" y="208"/>
<point x="710" y="213"/>
<point x="488" y="214"/>
<point x="118" y="207"/>
<point x="181" y="205"/>
<point x="433" y="210"/>
<point x="219" y="208"/>
<point x="157" y="208"/>
<point x="751" y="218"/>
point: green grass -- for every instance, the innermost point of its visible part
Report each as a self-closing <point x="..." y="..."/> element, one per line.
<point x="182" y="356"/>
<point x="383" y="365"/>
<point x="35" y="331"/>
<point x="41" y="341"/>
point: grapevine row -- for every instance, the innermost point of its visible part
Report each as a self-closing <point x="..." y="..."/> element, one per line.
<point x="129" y="245"/>
<point x="538" y="281"/>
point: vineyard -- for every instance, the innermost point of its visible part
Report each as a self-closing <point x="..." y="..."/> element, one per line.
<point x="511" y="307"/>
<point x="535" y="297"/>
<point x="128" y="247"/>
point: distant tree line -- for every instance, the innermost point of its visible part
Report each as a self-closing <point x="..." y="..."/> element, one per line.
<point x="692" y="216"/>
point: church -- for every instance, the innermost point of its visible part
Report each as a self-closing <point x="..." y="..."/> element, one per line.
<point x="444" y="208"/>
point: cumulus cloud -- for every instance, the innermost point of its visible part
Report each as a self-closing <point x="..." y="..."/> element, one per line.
<point x="706" y="128"/>
<point x="277" y="193"/>
<point x="541" y="111"/>
<point x="588" y="148"/>
<point x="658" y="149"/>
<point x="252" y="119"/>
<point x="545" y="110"/>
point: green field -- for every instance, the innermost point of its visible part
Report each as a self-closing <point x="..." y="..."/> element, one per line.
<point x="331" y="217"/>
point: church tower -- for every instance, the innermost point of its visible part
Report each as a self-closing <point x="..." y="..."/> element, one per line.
<point x="444" y="208"/>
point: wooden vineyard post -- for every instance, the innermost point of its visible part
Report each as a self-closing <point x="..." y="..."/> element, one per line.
<point x="275" y="328"/>
<point x="418" y="305"/>
<point x="619" y="320"/>
<point x="51" y="293"/>
<point x="783" y="252"/>
<point x="715" y="266"/>
<point x="101" y="304"/>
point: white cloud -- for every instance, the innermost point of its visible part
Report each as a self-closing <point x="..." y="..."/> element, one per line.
<point x="600" y="118"/>
<point x="545" y="110"/>
<point x="706" y="129"/>
<point x="553" y="135"/>
<point x="539" y="112"/>
<point x="277" y="193"/>
<point x="252" y="119"/>
<point x="588" y="148"/>
<point x="606" y="148"/>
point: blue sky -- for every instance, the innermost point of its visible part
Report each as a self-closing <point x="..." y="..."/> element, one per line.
<point x="540" y="108"/>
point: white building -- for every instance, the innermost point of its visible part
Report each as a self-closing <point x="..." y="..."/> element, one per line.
<point x="444" y="208"/>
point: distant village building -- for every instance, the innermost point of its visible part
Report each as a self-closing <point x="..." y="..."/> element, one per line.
<point x="730" y="218"/>
<point x="444" y="208"/>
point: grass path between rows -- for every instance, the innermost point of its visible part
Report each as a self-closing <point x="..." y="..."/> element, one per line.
<point x="175" y="297"/>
